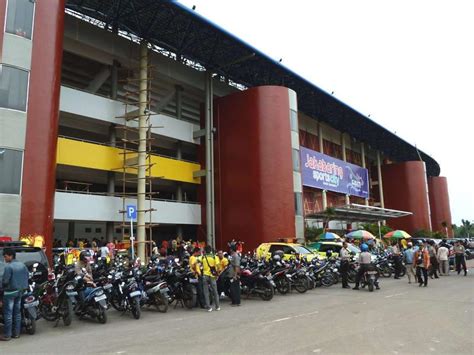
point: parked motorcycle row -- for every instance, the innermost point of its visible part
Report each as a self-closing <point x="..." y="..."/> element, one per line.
<point x="129" y="289"/>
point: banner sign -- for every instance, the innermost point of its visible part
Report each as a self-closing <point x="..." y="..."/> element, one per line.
<point x="326" y="173"/>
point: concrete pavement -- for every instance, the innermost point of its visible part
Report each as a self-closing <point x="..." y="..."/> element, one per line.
<point x="398" y="319"/>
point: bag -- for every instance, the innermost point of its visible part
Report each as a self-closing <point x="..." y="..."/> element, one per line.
<point x="419" y="259"/>
<point x="212" y="268"/>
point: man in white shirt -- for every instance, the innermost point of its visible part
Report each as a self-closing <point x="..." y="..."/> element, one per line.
<point x="443" y="258"/>
<point x="345" y="256"/>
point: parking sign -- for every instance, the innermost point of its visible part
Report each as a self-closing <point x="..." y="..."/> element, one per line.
<point x="131" y="212"/>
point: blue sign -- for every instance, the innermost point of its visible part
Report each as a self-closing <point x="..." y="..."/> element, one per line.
<point x="327" y="173"/>
<point x="131" y="212"/>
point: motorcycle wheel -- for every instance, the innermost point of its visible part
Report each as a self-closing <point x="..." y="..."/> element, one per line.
<point x="403" y="271"/>
<point x="67" y="312"/>
<point x="371" y="285"/>
<point x="301" y="284"/>
<point x="283" y="286"/>
<point x="161" y="303"/>
<point x="116" y="303"/>
<point x="30" y="325"/>
<point x="327" y="280"/>
<point x="136" y="308"/>
<point x="46" y="313"/>
<point x="102" y="317"/>
<point x="189" y="297"/>
<point x="267" y="294"/>
<point x="351" y="276"/>
<point x="386" y="272"/>
<point x="336" y="278"/>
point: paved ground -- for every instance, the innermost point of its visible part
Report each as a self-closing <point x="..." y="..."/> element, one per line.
<point x="399" y="319"/>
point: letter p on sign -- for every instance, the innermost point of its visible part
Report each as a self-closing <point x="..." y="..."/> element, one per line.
<point x="131" y="212"/>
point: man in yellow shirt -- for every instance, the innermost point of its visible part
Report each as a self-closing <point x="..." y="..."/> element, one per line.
<point x="195" y="264"/>
<point x="223" y="262"/>
<point x="210" y="264"/>
<point x="221" y="267"/>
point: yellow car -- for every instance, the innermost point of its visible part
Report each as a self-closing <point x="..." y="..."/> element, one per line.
<point x="322" y="247"/>
<point x="290" y="251"/>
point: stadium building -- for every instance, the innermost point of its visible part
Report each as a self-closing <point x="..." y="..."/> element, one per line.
<point x="106" y="104"/>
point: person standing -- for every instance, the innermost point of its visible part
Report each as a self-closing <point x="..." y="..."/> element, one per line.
<point x="14" y="283"/>
<point x="345" y="256"/>
<point x="196" y="268"/>
<point x="223" y="272"/>
<point x="408" y="255"/>
<point x="421" y="261"/>
<point x="433" y="260"/>
<point x="443" y="259"/>
<point x="234" y="276"/>
<point x="396" y="259"/>
<point x="459" y="251"/>
<point x="210" y="273"/>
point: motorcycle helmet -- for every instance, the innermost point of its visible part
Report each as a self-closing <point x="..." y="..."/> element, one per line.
<point x="84" y="256"/>
<point x="276" y="258"/>
<point x="364" y="247"/>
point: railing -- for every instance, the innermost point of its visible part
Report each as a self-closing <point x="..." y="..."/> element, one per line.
<point x="122" y="195"/>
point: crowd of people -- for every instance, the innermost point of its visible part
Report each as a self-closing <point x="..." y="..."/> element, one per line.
<point x="422" y="260"/>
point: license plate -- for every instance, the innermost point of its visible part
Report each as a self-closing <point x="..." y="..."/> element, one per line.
<point x="269" y="277"/>
<point x="106" y="287"/>
<point x="193" y="281"/>
<point x="135" y="293"/>
<point x="71" y="293"/>
<point x="32" y="304"/>
<point x="164" y="290"/>
<point x="371" y="272"/>
<point x="100" y="298"/>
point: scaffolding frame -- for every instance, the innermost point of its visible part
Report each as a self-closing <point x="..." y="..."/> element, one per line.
<point x="130" y="143"/>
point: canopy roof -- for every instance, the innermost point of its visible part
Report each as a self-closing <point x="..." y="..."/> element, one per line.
<point x="173" y="27"/>
<point x="359" y="213"/>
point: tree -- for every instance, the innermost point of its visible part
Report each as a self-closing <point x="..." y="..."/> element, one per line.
<point x="374" y="228"/>
<point x="311" y="234"/>
<point x="329" y="215"/>
<point x="466" y="229"/>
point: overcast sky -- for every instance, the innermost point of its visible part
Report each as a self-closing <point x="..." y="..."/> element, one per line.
<point x="407" y="63"/>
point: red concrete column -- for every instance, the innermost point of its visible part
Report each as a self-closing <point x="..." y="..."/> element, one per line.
<point x="405" y="188"/>
<point x="39" y="167"/>
<point x="3" y="13"/>
<point x="439" y="204"/>
<point x="254" y="170"/>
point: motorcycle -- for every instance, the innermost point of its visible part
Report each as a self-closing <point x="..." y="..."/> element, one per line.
<point x="90" y="301"/>
<point x="155" y="291"/>
<point x="182" y="286"/>
<point x="370" y="279"/>
<point x="257" y="282"/>
<point x="56" y="297"/>
<point x="125" y="294"/>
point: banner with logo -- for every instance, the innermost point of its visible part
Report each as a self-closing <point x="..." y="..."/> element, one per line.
<point x="326" y="173"/>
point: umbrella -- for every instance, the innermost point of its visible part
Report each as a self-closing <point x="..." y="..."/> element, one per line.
<point x="398" y="234"/>
<point x="361" y="234"/>
<point x="328" y="236"/>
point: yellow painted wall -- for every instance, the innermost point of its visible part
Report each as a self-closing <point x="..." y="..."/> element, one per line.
<point x="95" y="156"/>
